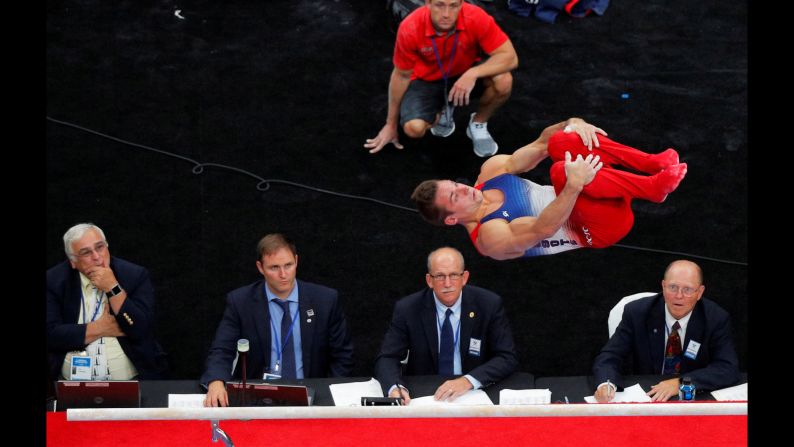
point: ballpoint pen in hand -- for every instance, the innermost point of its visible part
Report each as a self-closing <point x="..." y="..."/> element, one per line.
<point x="399" y="393"/>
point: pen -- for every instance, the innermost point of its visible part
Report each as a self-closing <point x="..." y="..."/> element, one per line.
<point x="609" y="388"/>
<point x="399" y="391"/>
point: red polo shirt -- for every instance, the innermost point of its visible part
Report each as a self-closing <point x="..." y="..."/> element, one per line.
<point x="477" y="33"/>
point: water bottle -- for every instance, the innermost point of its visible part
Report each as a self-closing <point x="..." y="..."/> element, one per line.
<point x="686" y="392"/>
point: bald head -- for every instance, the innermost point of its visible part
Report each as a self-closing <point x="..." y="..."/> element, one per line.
<point x="445" y="253"/>
<point x="685" y="267"/>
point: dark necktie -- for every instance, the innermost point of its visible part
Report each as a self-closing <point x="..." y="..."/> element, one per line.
<point x="287" y="346"/>
<point x="672" y="353"/>
<point x="446" y="352"/>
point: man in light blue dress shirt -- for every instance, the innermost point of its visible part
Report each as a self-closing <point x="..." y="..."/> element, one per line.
<point x="318" y="335"/>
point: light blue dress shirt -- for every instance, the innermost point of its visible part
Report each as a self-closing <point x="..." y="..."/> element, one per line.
<point x="275" y="317"/>
<point x="454" y="319"/>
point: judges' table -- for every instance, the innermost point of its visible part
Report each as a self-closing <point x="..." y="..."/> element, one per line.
<point x="707" y="423"/>
<point x="575" y="388"/>
<point x="154" y="393"/>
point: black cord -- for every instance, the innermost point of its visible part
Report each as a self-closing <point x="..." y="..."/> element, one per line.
<point x="724" y="261"/>
<point x="198" y="168"/>
<point x="264" y="185"/>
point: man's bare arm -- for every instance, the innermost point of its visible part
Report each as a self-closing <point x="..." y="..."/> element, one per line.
<point x="501" y="60"/>
<point x="499" y="239"/>
<point x="398" y="85"/>
<point x="527" y="157"/>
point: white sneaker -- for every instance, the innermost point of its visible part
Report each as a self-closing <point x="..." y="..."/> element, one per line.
<point x="484" y="144"/>
<point x="446" y="122"/>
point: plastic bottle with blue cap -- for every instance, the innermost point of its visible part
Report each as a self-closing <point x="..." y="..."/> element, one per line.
<point x="686" y="391"/>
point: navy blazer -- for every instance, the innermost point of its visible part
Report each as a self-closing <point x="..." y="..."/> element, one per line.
<point x="326" y="347"/>
<point x="641" y="337"/>
<point x="64" y="296"/>
<point x="414" y="327"/>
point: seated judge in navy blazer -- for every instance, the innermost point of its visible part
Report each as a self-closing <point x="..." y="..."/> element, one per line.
<point x="706" y="352"/>
<point x="98" y="305"/>
<point x="315" y="342"/>
<point x="483" y="350"/>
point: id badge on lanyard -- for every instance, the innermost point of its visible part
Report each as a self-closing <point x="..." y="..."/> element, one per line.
<point x="96" y="350"/>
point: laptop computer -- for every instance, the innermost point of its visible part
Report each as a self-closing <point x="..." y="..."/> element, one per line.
<point x="268" y="394"/>
<point x="97" y="394"/>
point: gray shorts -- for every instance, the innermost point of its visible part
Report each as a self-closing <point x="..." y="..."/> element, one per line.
<point x="423" y="100"/>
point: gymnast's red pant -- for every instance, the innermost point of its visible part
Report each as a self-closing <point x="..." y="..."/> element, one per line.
<point x="602" y="215"/>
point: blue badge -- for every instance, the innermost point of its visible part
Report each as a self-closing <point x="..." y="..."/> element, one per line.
<point x="692" y="350"/>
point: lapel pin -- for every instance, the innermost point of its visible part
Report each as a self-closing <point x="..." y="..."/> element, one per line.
<point x="310" y="312"/>
<point x="308" y="320"/>
<point x="471" y="314"/>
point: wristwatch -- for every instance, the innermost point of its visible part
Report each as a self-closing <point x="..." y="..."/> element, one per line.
<point x="114" y="291"/>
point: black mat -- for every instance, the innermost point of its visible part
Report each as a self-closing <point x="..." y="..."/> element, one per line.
<point x="291" y="89"/>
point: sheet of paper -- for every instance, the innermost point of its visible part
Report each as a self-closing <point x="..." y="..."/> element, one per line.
<point x="473" y="397"/>
<point x="350" y="394"/>
<point x="634" y="393"/>
<point x="186" y="400"/>
<point x="738" y="392"/>
<point x="524" y="397"/>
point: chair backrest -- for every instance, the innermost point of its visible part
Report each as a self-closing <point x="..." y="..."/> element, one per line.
<point x="616" y="314"/>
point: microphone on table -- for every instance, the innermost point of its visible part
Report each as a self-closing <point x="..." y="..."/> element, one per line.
<point x="242" y="349"/>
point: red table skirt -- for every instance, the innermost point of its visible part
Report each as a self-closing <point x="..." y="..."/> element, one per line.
<point x="653" y="431"/>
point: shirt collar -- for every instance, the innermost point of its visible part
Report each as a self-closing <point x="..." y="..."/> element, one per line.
<point x="442" y="309"/>
<point x="85" y="283"/>
<point x="293" y="295"/>
<point x="670" y="320"/>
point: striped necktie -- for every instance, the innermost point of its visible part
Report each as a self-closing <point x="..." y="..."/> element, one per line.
<point x="672" y="353"/>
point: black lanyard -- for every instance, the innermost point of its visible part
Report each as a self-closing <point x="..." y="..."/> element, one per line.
<point x="445" y="73"/>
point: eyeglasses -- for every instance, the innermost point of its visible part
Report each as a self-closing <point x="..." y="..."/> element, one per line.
<point x="440" y="277"/>
<point x="674" y="289"/>
<point x="99" y="248"/>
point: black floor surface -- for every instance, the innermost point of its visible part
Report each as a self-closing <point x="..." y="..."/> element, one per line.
<point x="291" y="89"/>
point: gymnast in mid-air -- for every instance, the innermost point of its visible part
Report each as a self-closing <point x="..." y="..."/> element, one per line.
<point x="588" y="204"/>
